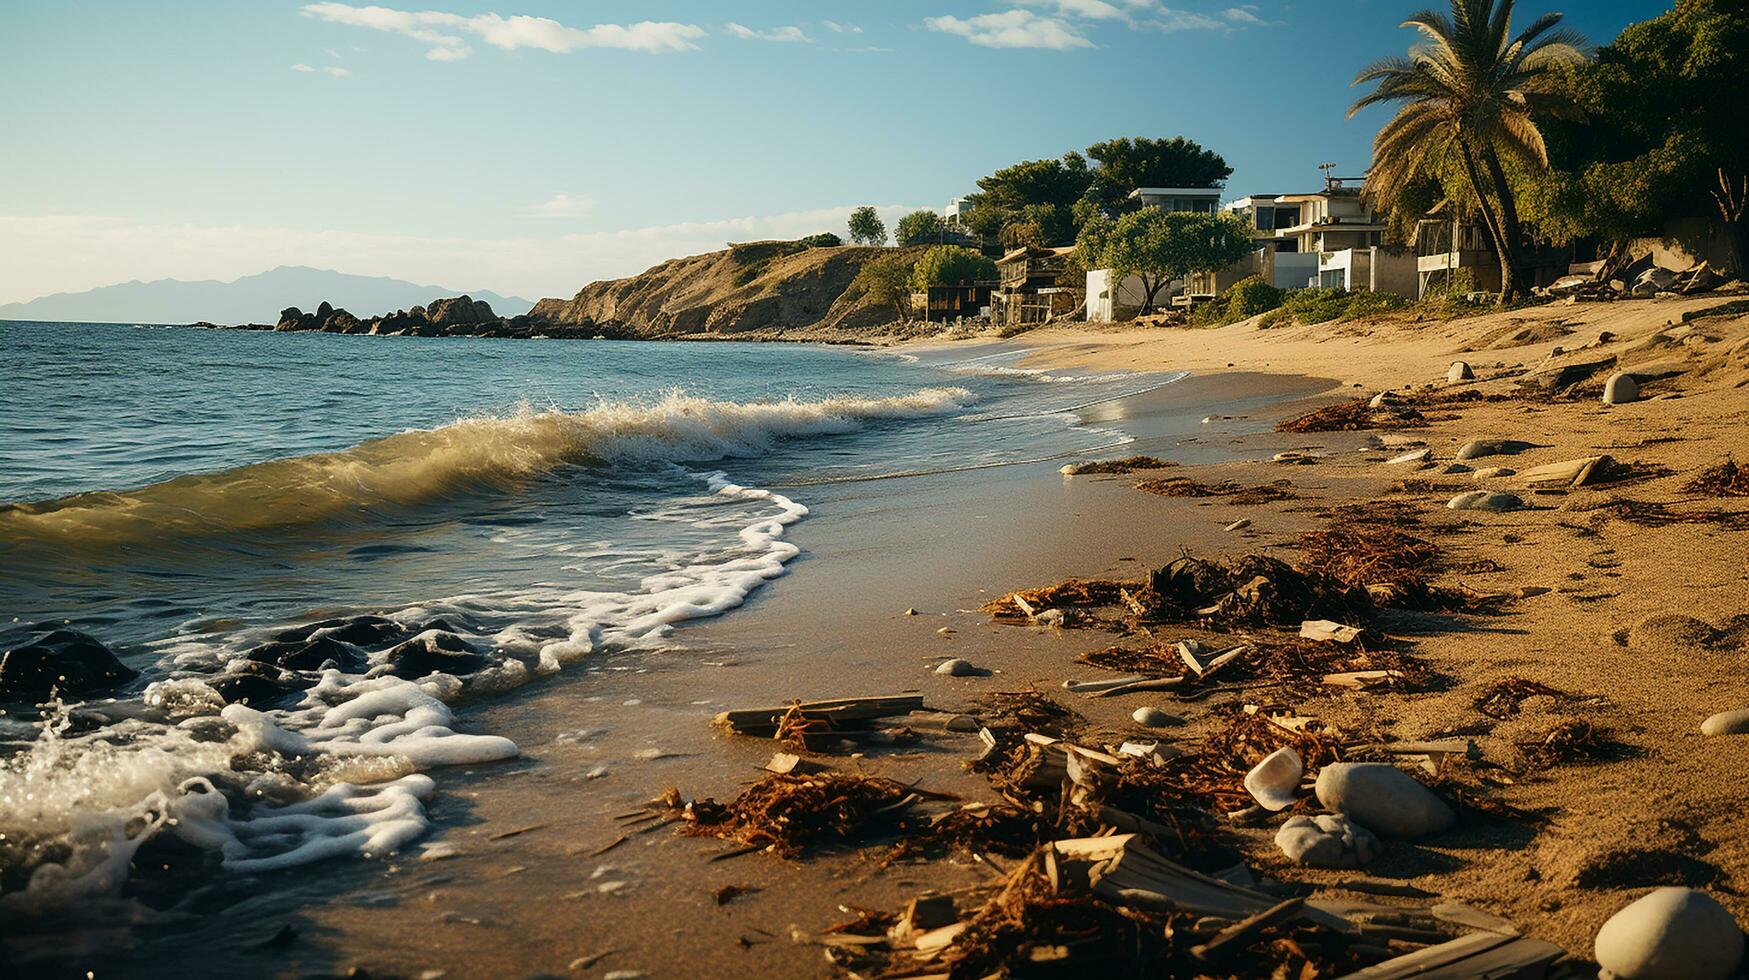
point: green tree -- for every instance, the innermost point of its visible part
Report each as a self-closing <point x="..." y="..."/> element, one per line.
<point x="920" y="228"/>
<point x="885" y="281"/>
<point x="1040" y="193"/>
<point x="1663" y="136"/>
<point x="1128" y="163"/>
<point x="1158" y="246"/>
<point x="950" y="265"/>
<point x="824" y="239"/>
<point x="1474" y="88"/>
<point x="866" y="227"/>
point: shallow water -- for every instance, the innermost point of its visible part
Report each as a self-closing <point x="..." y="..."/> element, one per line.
<point x="184" y="494"/>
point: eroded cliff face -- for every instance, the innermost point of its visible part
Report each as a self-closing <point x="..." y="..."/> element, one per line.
<point x="757" y="286"/>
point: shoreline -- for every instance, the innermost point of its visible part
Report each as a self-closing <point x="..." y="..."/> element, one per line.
<point x="1663" y="812"/>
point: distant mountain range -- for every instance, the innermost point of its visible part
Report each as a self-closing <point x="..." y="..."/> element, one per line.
<point x="251" y="299"/>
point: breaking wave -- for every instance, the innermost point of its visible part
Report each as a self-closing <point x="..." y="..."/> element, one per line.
<point x="470" y="455"/>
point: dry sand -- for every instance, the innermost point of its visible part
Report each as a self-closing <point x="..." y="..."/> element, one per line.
<point x="1669" y="809"/>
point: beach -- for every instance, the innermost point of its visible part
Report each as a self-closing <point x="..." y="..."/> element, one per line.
<point x="526" y="870"/>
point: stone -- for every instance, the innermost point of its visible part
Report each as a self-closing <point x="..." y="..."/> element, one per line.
<point x="1727" y="723"/>
<point x="459" y="310"/>
<point x="1275" y="782"/>
<point x="313" y="654"/>
<point x="1460" y="371"/>
<point x="1457" y="469"/>
<point x="40" y="660"/>
<point x="1496" y="501"/>
<point x="1385" y="399"/>
<point x="1570" y="473"/>
<point x="1239" y="525"/>
<point x="369" y="632"/>
<point x="1670" y="934"/>
<point x="1621" y="389"/>
<point x="1327" y="841"/>
<point x="1477" y="448"/>
<point x="1422" y="455"/>
<point x="956" y="668"/>
<point x="435" y="651"/>
<point x="257" y="684"/>
<point x="1155" y="718"/>
<point x="1384" y="799"/>
<point x="1666" y="631"/>
<point x="1492" y="472"/>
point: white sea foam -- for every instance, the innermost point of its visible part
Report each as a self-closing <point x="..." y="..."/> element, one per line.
<point x="338" y="773"/>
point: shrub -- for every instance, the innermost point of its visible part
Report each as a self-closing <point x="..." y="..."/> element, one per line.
<point x="886" y="281"/>
<point x="1241" y="301"/>
<point x="824" y="239"/>
<point x="920" y="227"/>
<point x="1321" y="304"/>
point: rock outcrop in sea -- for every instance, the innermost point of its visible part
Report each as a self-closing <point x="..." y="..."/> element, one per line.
<point x="456" y="316"/>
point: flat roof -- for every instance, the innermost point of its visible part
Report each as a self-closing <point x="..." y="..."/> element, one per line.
<point x="1177" y="191"/>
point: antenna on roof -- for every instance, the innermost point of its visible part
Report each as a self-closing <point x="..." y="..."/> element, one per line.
<point x="1330" y="182"/>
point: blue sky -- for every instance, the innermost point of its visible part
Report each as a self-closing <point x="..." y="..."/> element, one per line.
<point x="529" y="146"/>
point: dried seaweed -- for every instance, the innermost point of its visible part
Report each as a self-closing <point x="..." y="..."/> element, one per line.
<point x="978" y="828"/>
<point x="1149" y="660"/>
<point x="1340" y="417"/>
<point x="1031" y="710"/>
<point x="1182" y="486"/>
<point x="1068" y="596"/>
<point x="1367" y="554"/>
<point x="1301" y="665"/>
<point x="1650" y="514"/>
<point x="785" y="812"/>
<point x="1128" y="464"/>
<point x="1505" y="698"/>
<point x="1724" y="480"/>
<point x="1569" y="741"/>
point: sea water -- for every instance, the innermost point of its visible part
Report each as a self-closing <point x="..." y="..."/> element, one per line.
<point x="183" y="495"/>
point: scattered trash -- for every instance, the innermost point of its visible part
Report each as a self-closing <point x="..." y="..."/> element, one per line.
<point x="1274" y="783"/>
<point x="1238" y="525"/>
<point x="1326" y="631"/>
<point x="1128" y="464"/>
<point x="817" y="725"/>
<point x="785" y="812"/>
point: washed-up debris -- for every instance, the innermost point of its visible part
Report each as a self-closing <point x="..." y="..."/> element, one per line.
<point x="1128" y="464"/>
<point x="1326" y="631"/>
<point x="1305" y="665"/>
<point x="1572" y="740"/>
<point x="1671" y="932"/>
<point x="1275" y="782"/>
<point x="1234" y="492"/>
<point x="1238" y="525"/>
<point x="1104" y="902"/>
<point x="1366" y="546"/>
<point x="1505" y="698"/>
<point x="1013" y="713"/>
<point x="1479" y="448"/>
<point x="786" y="812"/>
<point x="820" y="725"/>
<point x="1724" y="480"/>
<point x="1340" y="417"/>
<point x="1652" y="514"/>
<point x="1075" y="598"/>
<point x="1152" y="717"/>
<point x="1485" y="500"/>
<point x="1423" y="455"/>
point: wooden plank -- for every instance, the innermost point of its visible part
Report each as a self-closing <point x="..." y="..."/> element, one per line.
<point x="1422" y="962"/>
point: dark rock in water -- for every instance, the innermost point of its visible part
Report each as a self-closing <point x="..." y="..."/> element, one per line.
<point x="370" y="632"/>
<point x="459" y="310"/>
<point x="434" y="651"/>
<point x="324" y="311"/>
<point x="40" y="660"/>
<point x="311" y="655"/>
<point x="258" y="685"/>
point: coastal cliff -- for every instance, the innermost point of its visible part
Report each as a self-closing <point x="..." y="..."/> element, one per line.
<point x="752" y="287"/>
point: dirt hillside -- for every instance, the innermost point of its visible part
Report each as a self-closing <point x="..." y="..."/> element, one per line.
<point x="755" y="286"/>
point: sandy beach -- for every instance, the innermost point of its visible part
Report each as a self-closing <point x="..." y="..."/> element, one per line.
<point x="538" y="871"/>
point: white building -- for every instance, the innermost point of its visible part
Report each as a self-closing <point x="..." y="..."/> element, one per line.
<point x="1203" y="200"/>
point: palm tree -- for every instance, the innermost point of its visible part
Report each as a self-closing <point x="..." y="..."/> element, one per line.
<point x="1473" y="87"/>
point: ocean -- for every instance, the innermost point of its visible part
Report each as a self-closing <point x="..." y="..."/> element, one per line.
<point x="360" y="533"/>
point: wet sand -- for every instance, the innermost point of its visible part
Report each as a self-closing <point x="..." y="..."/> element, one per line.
<point x="526" y="894"/>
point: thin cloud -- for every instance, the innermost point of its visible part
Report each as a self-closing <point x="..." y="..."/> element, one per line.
<point x="1089" y="9"/>
<point x="447" y="33"/>
<point x="300" y="66"/>
<point x="838" y="28"/>
<point x="1011" y="29"/>
<point x="790" y="34"/>
<point x="337" y="72"/>
<point x="563" y="206"/>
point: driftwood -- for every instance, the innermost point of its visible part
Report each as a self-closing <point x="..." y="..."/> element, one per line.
<point x="1479" y="954"/>
<point x="765" y="721"/>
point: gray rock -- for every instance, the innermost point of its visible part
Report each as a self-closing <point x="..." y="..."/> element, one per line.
<point x="1477" y="448"/>
<point x="1670" y="934"/>
<point x="1621" y="389"/>
<point x="1383" y="799"/>
<point x="1155" y="718"/>
<point x="1493" y="472"/>
<point x="1385" y="399"/>
<point x="1496" y="501"/>
<point x="1421" y="455"/>
<point x="1460" y="371"/>
<point x="956" y="668"/>
<point x="1727" y="723"/>
<point x="1327" y="841"/>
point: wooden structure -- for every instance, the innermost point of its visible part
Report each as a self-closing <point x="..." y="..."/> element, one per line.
<point x="944" y="303"/>
<point x="1030" y="286"/>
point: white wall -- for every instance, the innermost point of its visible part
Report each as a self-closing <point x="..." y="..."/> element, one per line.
<point x="1105" y="304"/>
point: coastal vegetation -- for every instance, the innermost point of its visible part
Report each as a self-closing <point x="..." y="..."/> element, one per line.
<point x="920" y="228"/>
<point x="950" y="265"/>
<point x="866" y="227"/>
<point x="1158" y="247"/>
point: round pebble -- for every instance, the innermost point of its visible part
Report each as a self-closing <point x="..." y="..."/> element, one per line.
<point x="1670" y="934"/>
<point x="1460" y="371"/>
<point x="1727" y="723"/>
<point x="1383" y="798"/>
<point x="1621" y="389"/>
<point x="956" y="668"/>
<point x="1155" y="718"/>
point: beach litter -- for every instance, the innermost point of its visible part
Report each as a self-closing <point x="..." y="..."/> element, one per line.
<point x="1128" y="464"/>
<point x="821" y="725"/>
<point x="785" y="812"/>
<point x="1181" y="486"/>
